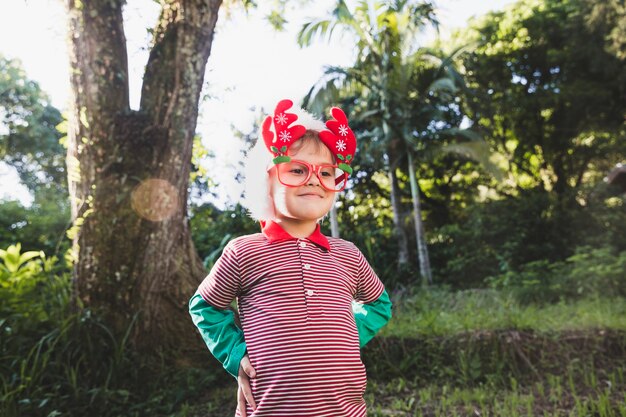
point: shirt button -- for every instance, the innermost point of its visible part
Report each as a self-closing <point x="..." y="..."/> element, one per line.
<point x="303" y="244"/>
<point x="310" y="292"/>
<point x="307" y="266"/>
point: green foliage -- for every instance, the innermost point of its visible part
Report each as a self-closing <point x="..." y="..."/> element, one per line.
<point x="545" y="89"/>
<point x="611" y="15"/>
<point x="599" y="222"/>
<point x="498" y="236"/>
<point x="201" y="184"/>
<point x="590" y="272"/>
<point x="41" y="226"/>
<point x="29" y="140"/>
<point x="595" y="271"/>
<point x="404" y="100"/>
<point x="35" y="296"/>
<point x="397" y="90"/>
<point x="212" y="228"/>
<point x="30" y="288"/>
<point x="54" y="362"/>
<point x="548" y="92"/>
<point x="487" y="338"/>
<point x="212" y="257"/>
<point x="521" y="233"/>
<point x="542" y="87"/>
<point x="79" y="367"/>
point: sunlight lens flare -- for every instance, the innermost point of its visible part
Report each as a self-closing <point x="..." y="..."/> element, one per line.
<point x="155" y="199"/>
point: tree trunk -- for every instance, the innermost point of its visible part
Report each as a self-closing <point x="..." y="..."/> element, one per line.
<point x="128" y="170"/>
<point x="398" y="220"/>
<point x="393" y="152"/>
<point x="420" y="236"/>
<point x="334" y="224"/>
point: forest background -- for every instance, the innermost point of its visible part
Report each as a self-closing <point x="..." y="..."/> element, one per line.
<point x="488" y="194"/>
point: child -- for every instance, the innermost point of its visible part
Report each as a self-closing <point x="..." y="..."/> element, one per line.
<point x="307" y="303"/>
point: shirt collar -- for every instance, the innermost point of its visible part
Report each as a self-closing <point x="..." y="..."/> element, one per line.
<point x="275" y="233"/>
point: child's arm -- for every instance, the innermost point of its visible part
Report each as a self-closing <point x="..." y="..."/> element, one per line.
<point x="216" y="323"/>
<point x="372" y="309"/>
<point x="220" y="333"/>
<point x="371" y="317"/>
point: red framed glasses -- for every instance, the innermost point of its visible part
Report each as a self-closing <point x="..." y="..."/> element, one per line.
<point x="296" y="173"/>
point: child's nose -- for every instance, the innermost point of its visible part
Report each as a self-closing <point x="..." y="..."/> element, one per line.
<point x="314" y="179"/>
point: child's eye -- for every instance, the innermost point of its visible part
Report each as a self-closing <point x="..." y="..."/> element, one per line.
<point x="326" y="174"/>
<point x="297" y="171"/>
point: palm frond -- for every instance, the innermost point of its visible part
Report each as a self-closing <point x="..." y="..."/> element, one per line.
<point x="324" y="92"/>
<point x="443" y="85"/>
<point x="476" y="150"/>
<point x="467" y="134"/>
<point x="312" y="30"/>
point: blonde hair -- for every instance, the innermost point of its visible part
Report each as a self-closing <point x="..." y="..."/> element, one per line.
<point x="257" y="185"/>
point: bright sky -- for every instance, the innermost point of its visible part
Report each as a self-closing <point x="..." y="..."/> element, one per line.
<point x="246" y="68"/>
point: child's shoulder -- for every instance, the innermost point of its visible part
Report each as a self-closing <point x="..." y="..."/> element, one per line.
<point x="245" y="240"/>
<point x="343" y="245"/>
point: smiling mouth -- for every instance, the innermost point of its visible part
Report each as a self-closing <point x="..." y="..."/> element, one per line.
<point x="310" y="195"/>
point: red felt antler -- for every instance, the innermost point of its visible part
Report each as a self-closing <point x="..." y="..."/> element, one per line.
<point x="340" y="140"/>
<point x="285" y="135"/>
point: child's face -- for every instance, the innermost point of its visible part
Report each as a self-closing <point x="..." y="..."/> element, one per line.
<point x="310" y="201"/>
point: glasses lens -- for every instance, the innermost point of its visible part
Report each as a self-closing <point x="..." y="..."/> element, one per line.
<point x="297" y="173"/>
<point x="292" y="173"/>
<point x="332" y="178"/>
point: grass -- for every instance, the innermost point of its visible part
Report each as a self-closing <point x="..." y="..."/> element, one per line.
<point x="483" y="353"/>
<point x="580" y="392"/>
<point x="439" y="312"/>
<point x="600" y="395"/>
<point x="81" y="368"/>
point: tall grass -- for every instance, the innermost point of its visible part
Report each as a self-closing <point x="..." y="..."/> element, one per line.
<point x="440" y="312"/>
<point x="54" y="362"/>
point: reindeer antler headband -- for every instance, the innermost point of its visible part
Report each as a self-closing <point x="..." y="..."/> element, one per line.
<point x="339" y="138"/>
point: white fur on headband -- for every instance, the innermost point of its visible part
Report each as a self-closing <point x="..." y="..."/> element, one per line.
<point x="256" y="193"/>
<point x="306" y="119"/>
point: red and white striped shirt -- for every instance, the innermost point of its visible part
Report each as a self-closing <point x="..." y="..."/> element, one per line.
<point x="295" y="304"/>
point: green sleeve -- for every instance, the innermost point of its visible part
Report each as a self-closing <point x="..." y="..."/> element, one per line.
<point x="371" y="317"/>
<point x="220" y="333"/>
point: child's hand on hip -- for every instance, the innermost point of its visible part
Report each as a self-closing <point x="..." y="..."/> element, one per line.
<point x="244" y="393"/>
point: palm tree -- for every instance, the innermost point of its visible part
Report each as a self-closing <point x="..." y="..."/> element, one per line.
<point x="404" y="88"/>
<point x="427" y="84"/>
<point x="385" y="33"/>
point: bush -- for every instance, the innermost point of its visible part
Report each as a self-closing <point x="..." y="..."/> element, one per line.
<point x="496" y="237"/>
<point x="588" y="273"/>
<point x="41" y="226"/>
<point x="599" y="272"/>
<point x="31" y="288"/>
<point x="516" y="238"/>
<point x="57" y="362"/>
<point x="35" y="297"/>
<point x="210" y="226"/>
